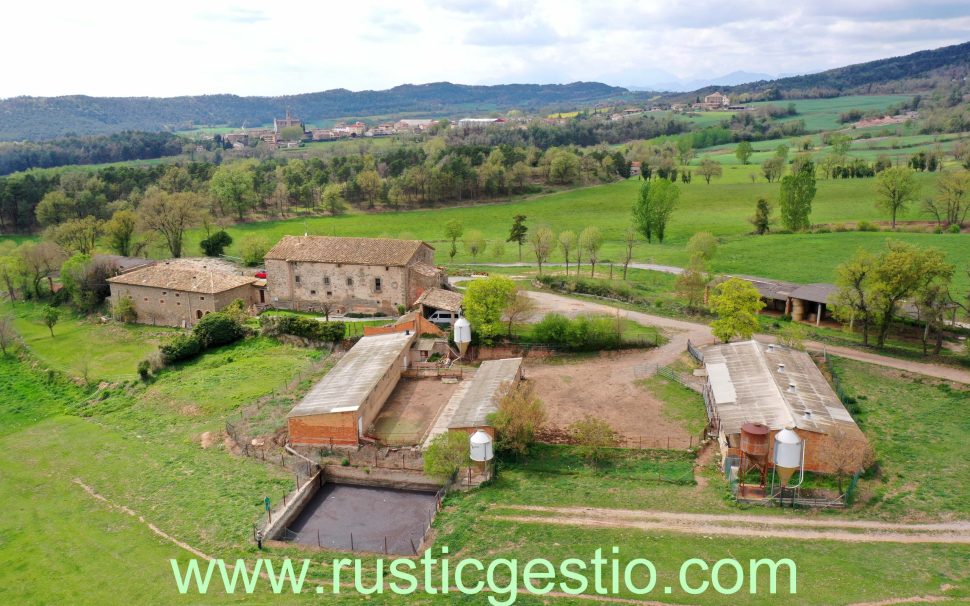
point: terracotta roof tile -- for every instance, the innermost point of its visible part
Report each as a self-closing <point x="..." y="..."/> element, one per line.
<point x="183" y="278"/>
<point x="353" y="251"/>
<point x="440" y="298"/>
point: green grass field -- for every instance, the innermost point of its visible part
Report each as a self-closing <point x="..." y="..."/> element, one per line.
<point x="82" y="345"/>
<point x="917" y="429"/>
<point x="823" y="114"/>
<point x="721" y="208"/>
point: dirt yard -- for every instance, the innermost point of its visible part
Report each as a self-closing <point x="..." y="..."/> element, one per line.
<point x="409" y="411"/>
<point x="605" y="387"/>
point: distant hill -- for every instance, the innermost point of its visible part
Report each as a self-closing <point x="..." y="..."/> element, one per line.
<point x="913" y="73"/>
<point x="47" y="117"/>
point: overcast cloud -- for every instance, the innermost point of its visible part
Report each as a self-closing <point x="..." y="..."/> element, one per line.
<point x="185" y="47"/>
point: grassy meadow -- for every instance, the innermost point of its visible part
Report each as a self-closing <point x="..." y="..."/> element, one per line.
<point x="721" y="208"/>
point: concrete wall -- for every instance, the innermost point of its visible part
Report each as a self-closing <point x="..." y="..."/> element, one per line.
<point x="175" y="307"/>
<point x="285" y="514"/>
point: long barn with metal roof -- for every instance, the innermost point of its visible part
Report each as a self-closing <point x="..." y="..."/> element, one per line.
<point x="779" y="387"/>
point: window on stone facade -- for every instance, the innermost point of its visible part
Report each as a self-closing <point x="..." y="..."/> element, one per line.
<point x="329" y="293"/>
<point x="201" y="298"/>
<point x="350" y="281"/>
<point x="164" y="292"/>
<point x="326" y="280"/>
<point x="162" y="301"/>
<point x="296" y="279"/>
<point x="313" y="292"/>
<point x="146" y="299"/>
<point x="377" y="284"/>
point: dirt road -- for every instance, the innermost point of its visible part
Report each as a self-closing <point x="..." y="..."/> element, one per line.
<point x="701" y="334"/>
<point x="852" y="531"/>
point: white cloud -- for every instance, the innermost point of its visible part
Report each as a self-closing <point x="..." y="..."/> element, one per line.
<point x="255" y="47"/>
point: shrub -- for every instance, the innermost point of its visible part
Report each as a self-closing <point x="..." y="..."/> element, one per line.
<point x="866" y="226"/>
<point x="253" y="248"/>
<point x="519" y="416"/>
<point x="585" y="333"/>
<point x="307" y="328"/>
<point x="181" y="347"/>
<point x="446" y="454"/>
<point x="954" y="229"/>
<point x="216" y="244"/>
<point x="144" y="369"/>
<point x="124" y="310"/>
<point x="595" y="440"/>
<point x="217" y="329"/>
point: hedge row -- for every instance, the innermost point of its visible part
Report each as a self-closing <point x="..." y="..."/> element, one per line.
<point x="300" y="326"/>
<point x="213" y="330"/>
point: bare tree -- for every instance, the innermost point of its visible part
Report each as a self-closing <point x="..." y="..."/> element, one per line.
<point x="519" y="307"/>
<point x="169" y="215"/>
<point x="543" y="241"/>
<point x="630" y="240"/>
<point x="849" y="454"/>
<point x="8" y="334"/>
<point x="39" y="261"/>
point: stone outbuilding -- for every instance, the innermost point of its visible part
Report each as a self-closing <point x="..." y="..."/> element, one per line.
<point x="179" y="292"/>
<point x="365" y="275"/>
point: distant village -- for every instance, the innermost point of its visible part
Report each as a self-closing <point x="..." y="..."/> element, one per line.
<point x="291" y="131"/>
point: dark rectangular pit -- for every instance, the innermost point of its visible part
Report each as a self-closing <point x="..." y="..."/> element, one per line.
<point x="370" y="514"/>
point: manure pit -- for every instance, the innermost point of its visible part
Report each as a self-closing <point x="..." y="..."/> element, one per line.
<point x="362" y="518"/>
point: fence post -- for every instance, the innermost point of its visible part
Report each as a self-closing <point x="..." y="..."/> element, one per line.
<point x="351" y="541"/>
<point x="318" y="538"/>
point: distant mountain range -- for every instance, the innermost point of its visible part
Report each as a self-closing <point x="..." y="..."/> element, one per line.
<point x="47" y="117"/>
<point x="668" y="82"/>
<point x="25" y="118"/>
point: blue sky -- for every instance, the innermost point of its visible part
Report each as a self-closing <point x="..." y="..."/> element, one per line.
<point x="282" y="47"/>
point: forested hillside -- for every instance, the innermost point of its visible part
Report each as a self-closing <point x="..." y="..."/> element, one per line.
<point x="48" y="117"/>
<point x="64" y="151"/>
<point x="913" y="73"/>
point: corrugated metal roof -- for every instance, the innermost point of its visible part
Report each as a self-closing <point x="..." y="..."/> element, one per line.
<point x="764" y="395"/>
<point x="816" y="293"/>
<point x="479" y="399"/>
<point x="721" y="386"/>
<point x="355" y="376"/>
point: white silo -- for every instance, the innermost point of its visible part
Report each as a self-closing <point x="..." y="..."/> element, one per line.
<point x="480" y="444"/>
<point x="789" y="456"/>
<point x="463" y="335"/>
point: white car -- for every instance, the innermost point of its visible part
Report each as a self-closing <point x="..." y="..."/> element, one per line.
<point x="443" y="317"/>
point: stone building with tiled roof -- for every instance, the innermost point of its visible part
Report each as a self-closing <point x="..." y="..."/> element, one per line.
<point x="349" y="274"/>
<point x="179" y="292"/>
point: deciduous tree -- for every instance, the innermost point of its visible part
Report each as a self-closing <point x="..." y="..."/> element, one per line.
<point x="896" y="187"/>
<point x="454" y="230"/>
<point x="474" y="243"/>
<point x="591" y="241"/>
<point x="169" y="215"/>
<point x="485" y="302"/>
<point x="519" y="415"/>
<point x="543" y="241"/>
<point x="567" y="242"/>
<point x="743" y="152"/>
<point x="795" y="199"/>
<point x="710" y="169"/>
<point x="736" y="303"/>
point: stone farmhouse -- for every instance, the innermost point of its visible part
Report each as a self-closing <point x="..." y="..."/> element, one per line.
<point x="365" y="275"/>
<point x="179" y="292"/>
<point x="716" y="101"/>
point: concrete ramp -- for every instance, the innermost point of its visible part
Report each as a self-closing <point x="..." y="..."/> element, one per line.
<point x="447" y="413"/>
